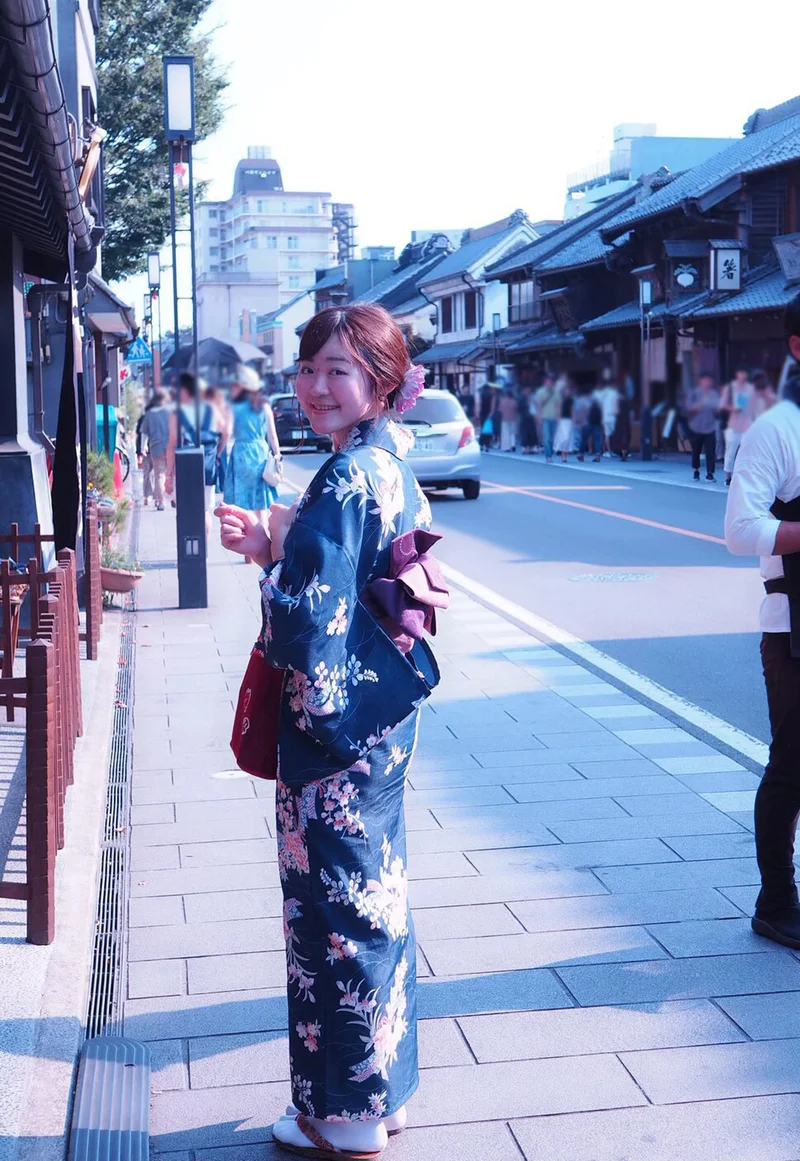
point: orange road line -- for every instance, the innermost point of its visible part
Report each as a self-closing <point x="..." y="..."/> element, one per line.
<point x="568" y="487"/>
<point x="608" y="512"/>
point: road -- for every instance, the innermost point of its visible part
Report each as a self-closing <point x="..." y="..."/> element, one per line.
<point x="673" y="604"/>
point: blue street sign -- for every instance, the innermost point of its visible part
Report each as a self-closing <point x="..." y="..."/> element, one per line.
<point x="139" y="352"/>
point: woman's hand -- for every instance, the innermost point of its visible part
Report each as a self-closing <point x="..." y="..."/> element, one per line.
<point x="241" y="531"/>
<point x="280" y="521"/>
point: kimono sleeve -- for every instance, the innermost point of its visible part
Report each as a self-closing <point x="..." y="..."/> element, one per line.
<point x="347" y="683"/>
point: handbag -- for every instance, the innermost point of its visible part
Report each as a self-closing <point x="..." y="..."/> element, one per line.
<point x="273" y="470"/>
<point x="254" y="740"/>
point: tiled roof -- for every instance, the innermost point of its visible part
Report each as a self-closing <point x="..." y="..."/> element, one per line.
<point x="629" y="313"/>
<point x="776" y="144"/>
<point x="467" y="255"/>
<point x="336" y="276"/>
<point x="546" y="338"/>
<point x="765" y="290"/>
<point x="418" y="302"/>
<point x="584" y="252"/>
<point x="508" y="335"/>
<point x="557" y="240"/>
<point x="405" y="280"/>
<point x="449" y="352"/>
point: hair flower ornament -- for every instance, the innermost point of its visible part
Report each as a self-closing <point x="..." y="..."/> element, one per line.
<point x="410" y="389"/>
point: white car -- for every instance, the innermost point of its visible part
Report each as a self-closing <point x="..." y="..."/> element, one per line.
<point x="445" y="453"/>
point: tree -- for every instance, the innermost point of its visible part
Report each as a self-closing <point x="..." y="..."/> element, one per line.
<point x="130" y="44"/>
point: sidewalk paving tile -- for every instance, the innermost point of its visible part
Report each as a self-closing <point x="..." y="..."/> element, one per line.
<point x="716" y="1072"/>
<point x="713" y="763"/>
<point x="569" y="754"/>
<point x="525" y="884"/>
<point x="211" y="906"/>
<point x="205" y="1118"/>
<point x="584" y="1031"/>
<point x="170" y="1069"/>
<point x="576" y="855"/>
<point x="191" y="880"/>
<point x="543" y="949"/>
<point x="646" y="826"/>
<point x="734" y="800"/>
<point x="537" y="812"/>
<point x="224" y="853"/>
<point x="156" y="911"/>
<point x="531" y="989"/>
<point x="483" y="1092"/>
<point x="711" y="937"/>
<point x="437" y="923"/>
<point x="597" y="788"/>
<point x="205" y="939"/>
<point x="720" y="781"/>
<point x="771" y="1017"/>
<point x="157" y="977"/>
<point x="739" y="844"/>
<point x="721" y="975"/>
<point x="478" y="776"/>
<point x="257" y="1010"/>
<point x="238" y="972"/>
<point x="634" y="767"/>
<point x="756" y="1129"/>
<point x="711" y="873"/>
<point x="618" y="910"/>
<point x="475" y="838"/>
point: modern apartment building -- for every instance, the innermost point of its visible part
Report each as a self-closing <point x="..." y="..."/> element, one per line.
<point x="259" y="249"/>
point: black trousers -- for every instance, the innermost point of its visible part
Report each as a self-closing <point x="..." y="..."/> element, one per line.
<point x="707" y="444"/>
<point x="778" y="797"/>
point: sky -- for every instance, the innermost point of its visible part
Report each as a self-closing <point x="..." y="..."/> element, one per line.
<point x="437" y="114"/>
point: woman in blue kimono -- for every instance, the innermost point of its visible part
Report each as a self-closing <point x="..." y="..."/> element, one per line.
<point x="254" y="436"/>
<point x="339" y="568"/>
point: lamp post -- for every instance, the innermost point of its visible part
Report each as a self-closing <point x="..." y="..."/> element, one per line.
<point x="646" y="415"/>
<point x="154" y="281"/>
<point x="180" y="133"/>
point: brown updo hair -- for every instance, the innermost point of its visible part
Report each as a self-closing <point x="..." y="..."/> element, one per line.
<point x="372" y="339"/>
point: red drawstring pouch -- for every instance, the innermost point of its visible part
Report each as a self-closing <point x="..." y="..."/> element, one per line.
<point x="254" y="740"/>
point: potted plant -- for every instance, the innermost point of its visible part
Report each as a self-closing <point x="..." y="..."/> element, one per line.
<point x="118" y="573"/>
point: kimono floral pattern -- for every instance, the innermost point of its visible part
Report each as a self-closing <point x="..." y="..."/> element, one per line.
<point x="347" y="736"/>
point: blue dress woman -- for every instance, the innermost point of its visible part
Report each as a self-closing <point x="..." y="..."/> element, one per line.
<point x="356" y="672"/>
<point x="254" y="436"/>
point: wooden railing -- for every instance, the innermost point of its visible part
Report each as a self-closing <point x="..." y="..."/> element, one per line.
<point x="50" y="694"/>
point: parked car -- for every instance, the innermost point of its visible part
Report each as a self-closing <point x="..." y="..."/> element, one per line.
<point x="445" y="452"/>
<point x="294" y="430"/>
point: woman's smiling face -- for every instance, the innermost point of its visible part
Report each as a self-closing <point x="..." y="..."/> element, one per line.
<point x="334" y="391"/>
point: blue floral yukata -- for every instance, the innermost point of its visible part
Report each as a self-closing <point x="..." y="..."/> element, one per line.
<point x="348" y="728"/>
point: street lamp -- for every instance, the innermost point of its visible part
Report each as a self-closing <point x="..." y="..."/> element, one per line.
<point x="154" y="281"/>
<point x="180" y="133"/>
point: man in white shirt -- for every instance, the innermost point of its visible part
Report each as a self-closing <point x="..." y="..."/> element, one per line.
<point x="767" y="472"/>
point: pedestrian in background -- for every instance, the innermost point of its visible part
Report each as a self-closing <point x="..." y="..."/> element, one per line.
<point x="154" y="427"/>
<point x="562" y="443"/>
<point x="254" y="440"/>
<point x="183" y="433"/>
<point x="467" y="399"/>
<point x="621" y="437"/>
<point x="509" y="422"/>
<point x="593" y="432"/>
<point x="548" y="413"/>
<point x="735" y="406"/>
<point x="609" y="401"/>
<point x="223" y="423"/>
<point x="702" y="406"/>
<point x="485" y="418"/>
<point x="580" y="413"/>
<point x="764" y="396"/>
<point x="763" y="519"/>
<point x="527" y="420"/>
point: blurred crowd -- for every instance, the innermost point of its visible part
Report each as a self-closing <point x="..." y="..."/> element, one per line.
<point x="561" y="419"/>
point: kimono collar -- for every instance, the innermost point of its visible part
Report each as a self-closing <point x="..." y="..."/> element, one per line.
<point x="382" y="432"/>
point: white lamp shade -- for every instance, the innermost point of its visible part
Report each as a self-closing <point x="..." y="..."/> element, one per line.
<point x="154" y="269"/>
<point x="179" y="98"/>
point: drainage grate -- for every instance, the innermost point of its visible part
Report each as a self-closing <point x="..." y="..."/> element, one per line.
<point x="108" y="955"/>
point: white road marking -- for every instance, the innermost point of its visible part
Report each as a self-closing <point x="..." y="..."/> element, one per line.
<point x="545" y="630"/>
